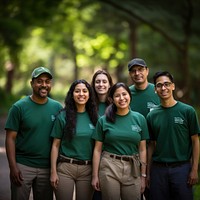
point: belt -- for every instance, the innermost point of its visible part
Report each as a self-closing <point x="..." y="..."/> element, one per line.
<point x="121" y="157"/>
<point x="74" y="161"/>
<point x="170" y="164"/>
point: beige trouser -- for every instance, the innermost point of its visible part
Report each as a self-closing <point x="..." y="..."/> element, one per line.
<point x="117" y="180"/>
<point x="73" y="175"/>
<point x="35" y="178"/>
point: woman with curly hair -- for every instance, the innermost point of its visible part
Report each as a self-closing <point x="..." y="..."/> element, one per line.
<point x="72" y="146"/>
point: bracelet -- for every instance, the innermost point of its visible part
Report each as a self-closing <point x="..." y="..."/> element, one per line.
<point x="144" y="175"/>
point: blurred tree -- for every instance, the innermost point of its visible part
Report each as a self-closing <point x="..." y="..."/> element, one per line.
<point x="78" y="36"/>
<point x="89" y="43"/>
<point x="176" y="21"/>
<point x="16" y="20"/>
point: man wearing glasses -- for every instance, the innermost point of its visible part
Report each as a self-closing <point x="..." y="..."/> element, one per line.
<point x="143" y="94"/>
<point x="173" y="150"/>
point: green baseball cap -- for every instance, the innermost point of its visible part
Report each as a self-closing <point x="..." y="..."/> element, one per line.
<point x="41" y="70"/>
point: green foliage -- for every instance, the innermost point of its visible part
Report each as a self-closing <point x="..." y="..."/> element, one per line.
<point x="83" y="35"/>
<point x="196" y="192"/>
<point x="76" y="37"/>
<point x="17" y="17"/>
<point x="6" y="101"/>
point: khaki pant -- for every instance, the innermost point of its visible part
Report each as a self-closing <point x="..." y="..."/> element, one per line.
<point x="117" y="180"/>
<point x="73" y="175"/>
<point x="35" y="178"/>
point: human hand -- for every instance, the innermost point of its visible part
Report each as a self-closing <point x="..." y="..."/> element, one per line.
<point x="16" y="176"/>
<point x="54" y="180"/>
<point x="193" y="178"/>
<point x="143" y="184"/>
<point x="148" y="181"/>
<point x="95" y="183"/>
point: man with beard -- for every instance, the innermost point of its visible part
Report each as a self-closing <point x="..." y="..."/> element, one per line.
<point x="143" y="94"/>
<point x="28" y="142"/>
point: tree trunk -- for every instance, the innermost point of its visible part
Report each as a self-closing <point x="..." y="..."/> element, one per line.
<point x="11" y="67"/>
<point x="133" y="38"/>
<point x="133" y="41"/>
<point x="9" y="77"/>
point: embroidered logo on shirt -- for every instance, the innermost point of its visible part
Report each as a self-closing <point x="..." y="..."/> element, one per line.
<point x="151" y="106"/>
<point x="52" y="118"/>
<point x="135" y="128"/>
<point x="91" y="126"/>
<point x="178" y="120"/>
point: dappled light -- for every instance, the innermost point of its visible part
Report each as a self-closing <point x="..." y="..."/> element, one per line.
<point x="75" y="38"/>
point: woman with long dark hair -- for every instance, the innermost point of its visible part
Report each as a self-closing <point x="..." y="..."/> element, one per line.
<point x="72" y="146"/>
<point x="101" y="84"/>
<point x="120" y="171"/>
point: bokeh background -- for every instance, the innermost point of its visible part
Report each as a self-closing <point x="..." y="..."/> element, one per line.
<point x="74" y="38"/>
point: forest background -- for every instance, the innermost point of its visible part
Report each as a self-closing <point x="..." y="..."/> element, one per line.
<point x="74" y="38"/>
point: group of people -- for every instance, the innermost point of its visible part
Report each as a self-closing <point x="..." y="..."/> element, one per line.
<point x="109" y="141"/>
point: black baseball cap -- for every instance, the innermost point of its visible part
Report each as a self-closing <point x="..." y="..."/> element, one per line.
<point x="136" y="61"/>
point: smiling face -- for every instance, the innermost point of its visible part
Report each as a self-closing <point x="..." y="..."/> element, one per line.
<point x="121" y="99"/>
<point x="164" y="87"/>
<point x="102" y="84"/>
<point x="80" y="94"/>
<point x="41" y="86"/>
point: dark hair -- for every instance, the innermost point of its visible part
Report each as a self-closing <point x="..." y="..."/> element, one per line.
<point x="71" y="109"/>
<point x="101" y="71"/>
<point x="162" y="73"/>
<point x="110" y="112"/>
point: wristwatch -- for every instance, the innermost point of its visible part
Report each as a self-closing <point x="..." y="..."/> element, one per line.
<point x="144" y="175"/>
